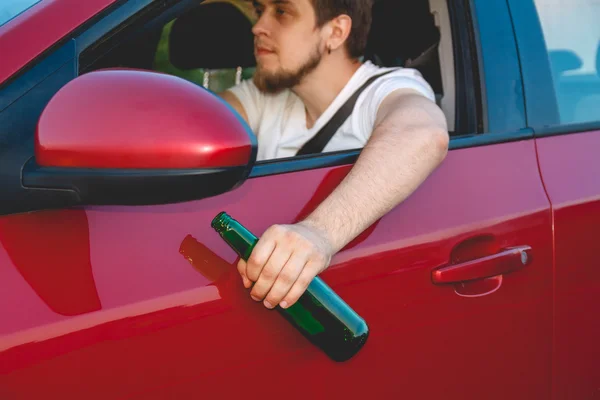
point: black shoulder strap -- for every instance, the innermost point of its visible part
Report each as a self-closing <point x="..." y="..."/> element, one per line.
<point x="318" y="142"/>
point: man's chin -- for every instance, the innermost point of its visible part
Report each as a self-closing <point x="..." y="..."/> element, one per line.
<point x="276" y="81"/>
<point x="267" y="87"/>
<point x="271" y="83"/>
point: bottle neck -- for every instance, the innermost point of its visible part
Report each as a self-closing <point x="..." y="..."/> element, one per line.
<point x="240" y="239"/>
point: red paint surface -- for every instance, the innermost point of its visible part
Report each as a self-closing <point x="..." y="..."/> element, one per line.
<point x="40" y="27"/>
<point x="175" y="320"/>
<point x="139" y="119"/>
<point x="571" y="171"/>
<point x="56" y="266"/>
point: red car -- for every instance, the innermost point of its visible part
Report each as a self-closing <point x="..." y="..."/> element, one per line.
<point x="114" y="159"/>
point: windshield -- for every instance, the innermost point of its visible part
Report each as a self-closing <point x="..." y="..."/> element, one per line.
<point x="11" y="8"/>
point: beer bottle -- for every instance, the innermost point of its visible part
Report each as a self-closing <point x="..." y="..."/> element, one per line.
<point x="319" y="314"/>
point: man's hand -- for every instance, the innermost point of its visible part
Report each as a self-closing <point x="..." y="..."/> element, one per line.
<point x="284" y="262"/>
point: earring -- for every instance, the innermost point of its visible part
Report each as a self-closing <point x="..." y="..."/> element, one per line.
<point x="329" y="49"/>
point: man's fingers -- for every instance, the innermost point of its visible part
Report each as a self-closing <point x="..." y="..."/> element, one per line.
<point x="259" y="257"/>
<point x="301" y="284"/>
<point x="283" y="263"/>
<point x="269" y="272"/>
<point x="241" y="266"/>
<point x="286" y="279"/>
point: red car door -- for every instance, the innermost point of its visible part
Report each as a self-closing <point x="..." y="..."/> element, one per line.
<point x="145" y="301"/>
<point x="560" y="44"/>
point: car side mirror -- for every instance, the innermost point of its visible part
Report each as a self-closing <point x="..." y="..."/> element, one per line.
<point x="132" y="137"/>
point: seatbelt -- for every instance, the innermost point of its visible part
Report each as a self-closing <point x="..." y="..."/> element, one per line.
<point x="318" y="142"/>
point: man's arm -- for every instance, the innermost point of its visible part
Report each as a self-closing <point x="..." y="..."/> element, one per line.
<point x="235" y="103"/>
<point x="409" y="141"/>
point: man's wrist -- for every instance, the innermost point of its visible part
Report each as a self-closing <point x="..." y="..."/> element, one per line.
<point x="324" y="230"/>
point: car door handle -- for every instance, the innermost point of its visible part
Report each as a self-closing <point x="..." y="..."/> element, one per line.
<point x="509" y="260"/>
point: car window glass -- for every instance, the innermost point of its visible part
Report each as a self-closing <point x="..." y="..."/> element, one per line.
<point x="11" y="8"/>
<point x="571" y="30"/>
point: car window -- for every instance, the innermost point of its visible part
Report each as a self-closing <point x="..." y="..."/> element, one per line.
<point x="572" y="35"/>
<point x="11" y="8"/>
<point x="211" y="45"/>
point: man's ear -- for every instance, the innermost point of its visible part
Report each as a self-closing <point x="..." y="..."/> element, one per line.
<point x="340" y="28"/>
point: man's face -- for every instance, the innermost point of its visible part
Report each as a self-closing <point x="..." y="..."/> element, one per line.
<point x="287" y="43"/>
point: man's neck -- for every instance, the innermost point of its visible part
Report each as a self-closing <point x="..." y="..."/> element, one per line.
<point x="318" y="90"/>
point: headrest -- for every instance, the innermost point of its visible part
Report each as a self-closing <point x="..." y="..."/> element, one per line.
<point x="212" y="36"/>
<point x="400" y="31"/>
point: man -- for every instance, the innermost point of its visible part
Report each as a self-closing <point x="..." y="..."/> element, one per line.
<point x="307" y="54"/>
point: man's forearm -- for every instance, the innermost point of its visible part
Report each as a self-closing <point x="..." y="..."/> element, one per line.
<point x="405" y="147"/>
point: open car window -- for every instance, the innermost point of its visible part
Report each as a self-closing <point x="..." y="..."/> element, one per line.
<point x="211" y="44"/>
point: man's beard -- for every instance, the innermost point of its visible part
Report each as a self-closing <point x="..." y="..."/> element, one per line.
<point x="274" y="82"/>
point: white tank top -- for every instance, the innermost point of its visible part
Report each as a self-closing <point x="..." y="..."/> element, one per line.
<point x="279" y="120"/>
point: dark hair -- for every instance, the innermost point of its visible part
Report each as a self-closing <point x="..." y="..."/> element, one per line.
<point x="360" y="13"/>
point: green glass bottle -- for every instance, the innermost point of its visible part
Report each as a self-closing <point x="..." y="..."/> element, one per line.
<point x="320" y="314"/>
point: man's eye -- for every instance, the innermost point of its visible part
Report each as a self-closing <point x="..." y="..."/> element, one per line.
<point x="279" y="11"/>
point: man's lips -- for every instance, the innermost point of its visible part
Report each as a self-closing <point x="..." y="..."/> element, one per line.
<point x="261" y="51"/>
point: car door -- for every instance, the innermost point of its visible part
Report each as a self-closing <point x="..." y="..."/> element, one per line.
<point x="560" y="41"/>
<point x="145" y="301"/>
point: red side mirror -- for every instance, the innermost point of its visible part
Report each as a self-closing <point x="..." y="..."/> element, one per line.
<point x="139" y="119"/>
<point x="139" y="137"/>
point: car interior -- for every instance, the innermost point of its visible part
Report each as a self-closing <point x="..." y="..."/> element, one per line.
<point x="211" y="45"/>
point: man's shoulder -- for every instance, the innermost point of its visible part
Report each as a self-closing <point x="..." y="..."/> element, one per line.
<point x="389" y="79"/>
<point x="397" y="79"/>
<point x="370" y="70"/>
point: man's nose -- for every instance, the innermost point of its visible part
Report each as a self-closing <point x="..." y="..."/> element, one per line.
<point x="261" y="27"/>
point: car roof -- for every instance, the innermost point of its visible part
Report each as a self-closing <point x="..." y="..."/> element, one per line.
<point x="31" y="33"/>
